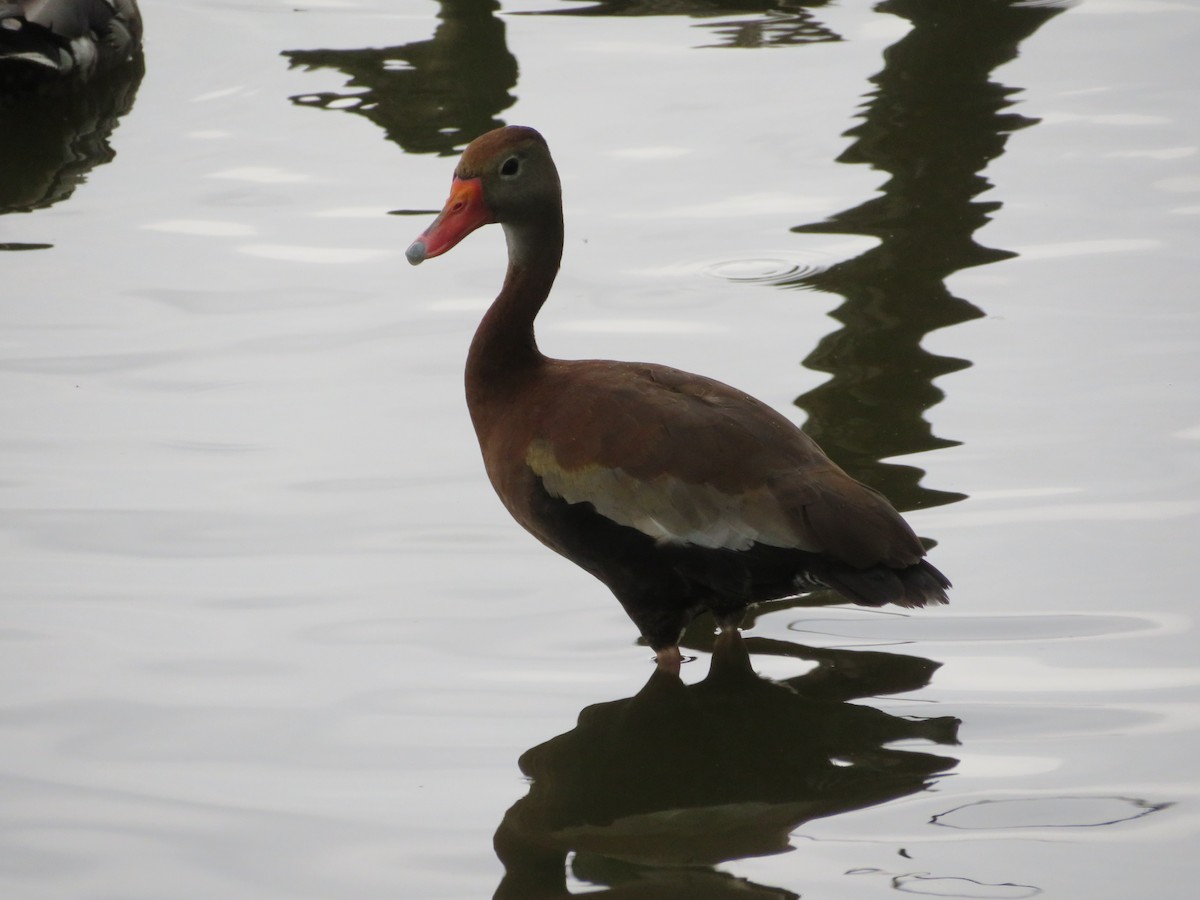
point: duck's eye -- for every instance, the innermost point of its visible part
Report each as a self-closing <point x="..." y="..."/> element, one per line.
<point x="510" y="167"/>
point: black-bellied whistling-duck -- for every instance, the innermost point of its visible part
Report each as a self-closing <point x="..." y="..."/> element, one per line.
<point x="45" y="40"/>
<point x="678" y="492"/>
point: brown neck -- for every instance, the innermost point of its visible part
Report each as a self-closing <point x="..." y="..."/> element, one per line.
<point x="504" y="351"/>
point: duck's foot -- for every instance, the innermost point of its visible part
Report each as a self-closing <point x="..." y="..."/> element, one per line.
<point x="669" y="660"/>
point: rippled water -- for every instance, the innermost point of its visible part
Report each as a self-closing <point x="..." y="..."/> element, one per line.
<point x="264" y="629"/>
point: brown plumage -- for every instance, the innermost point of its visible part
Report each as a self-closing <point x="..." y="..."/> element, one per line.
<point x="678" y="492"/>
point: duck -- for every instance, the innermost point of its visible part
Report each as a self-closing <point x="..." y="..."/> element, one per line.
<point x="681" y="494"/>
<point x="47" y="41"/>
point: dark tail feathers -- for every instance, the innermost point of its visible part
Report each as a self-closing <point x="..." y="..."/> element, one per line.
<point x="917" y="585"/>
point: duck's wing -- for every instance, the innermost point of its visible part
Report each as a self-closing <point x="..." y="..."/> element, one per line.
<point x="688" y="460"/>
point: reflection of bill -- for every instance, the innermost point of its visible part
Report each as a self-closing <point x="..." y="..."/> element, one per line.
<point x="430" y="96"/>
<point x="695" y="775"/>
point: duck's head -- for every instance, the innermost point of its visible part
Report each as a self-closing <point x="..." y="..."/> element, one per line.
<point x="504" y="176"/>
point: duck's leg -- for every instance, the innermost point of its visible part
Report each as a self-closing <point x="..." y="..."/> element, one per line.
<point x="669" y="659"/>
<point x="730" y="622"/>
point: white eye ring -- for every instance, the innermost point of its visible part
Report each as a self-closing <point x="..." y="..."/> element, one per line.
<point x="511" y="167"/>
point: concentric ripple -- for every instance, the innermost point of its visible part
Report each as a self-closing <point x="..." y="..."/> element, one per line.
<point x="769" y="269"/>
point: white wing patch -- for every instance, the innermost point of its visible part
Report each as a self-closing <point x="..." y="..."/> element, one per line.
<point x="668" y="509"/>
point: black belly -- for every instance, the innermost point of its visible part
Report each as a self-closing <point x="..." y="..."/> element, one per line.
<point x="663" y="586"/>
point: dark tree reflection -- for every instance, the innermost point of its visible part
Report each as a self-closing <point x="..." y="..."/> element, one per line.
<point x="430" y="96"/>
<point x="696" y="775"/>
<point x="933" y="123"/>
<point x="738" y="23"/>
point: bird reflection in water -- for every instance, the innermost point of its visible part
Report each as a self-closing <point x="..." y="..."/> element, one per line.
<point x="649" y="794"/>
<point x="56" y="121"/>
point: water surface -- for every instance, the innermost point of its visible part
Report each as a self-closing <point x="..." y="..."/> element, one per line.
<point x="267" y="632"/>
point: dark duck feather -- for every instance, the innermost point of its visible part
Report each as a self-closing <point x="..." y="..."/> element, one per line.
<point x="50" y="40"/>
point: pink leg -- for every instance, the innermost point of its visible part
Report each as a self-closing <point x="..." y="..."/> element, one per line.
<point x="669" y="660"/>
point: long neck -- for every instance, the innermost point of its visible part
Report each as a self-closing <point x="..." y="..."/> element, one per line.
<point x="504" y="349"/>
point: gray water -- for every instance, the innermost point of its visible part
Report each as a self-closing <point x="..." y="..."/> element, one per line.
<point x="266" y="631"/>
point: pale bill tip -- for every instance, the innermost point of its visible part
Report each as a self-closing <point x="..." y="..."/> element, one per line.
<point x="415" y="253"/>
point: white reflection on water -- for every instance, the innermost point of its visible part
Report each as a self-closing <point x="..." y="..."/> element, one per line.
<point x="262" y="175"/>
<point x="740" y="205"/>
<point x="1015" y="674"/>
<point x="637" y="326"/>
<point x="982" y="765"/>
<point x="319" y="255"/>
<point x="1130" y="7"/>
<point x="1161" y="153"/>
<point x="351" y="212"/>
<point x="1132" y="511"/>
<point x="219" y="94"/>
<point x="203" y="227"/>
<point x="1181" y="184"/>
<point x="660" y="152"/>
<point x="1086" y="248"/>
